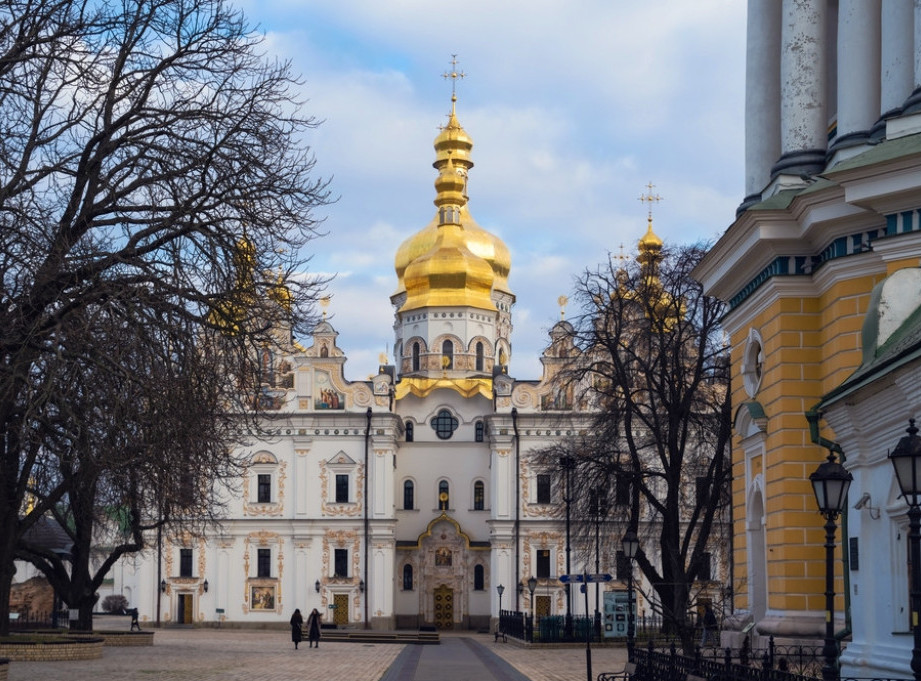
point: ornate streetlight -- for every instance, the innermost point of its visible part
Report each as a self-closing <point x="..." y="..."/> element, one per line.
<point x="830" y="483"/>
<point x="532" y="584"/>
<point x="500" y="590"/>
<point x="631" y="545"/>
<point x="599" y="510"/>
<point x="906" y="459"/>
<point x="567" y="463"/>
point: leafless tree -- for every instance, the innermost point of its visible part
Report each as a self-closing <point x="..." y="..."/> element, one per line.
<point x="647" y="357"/>
<point x="154" y="165"/>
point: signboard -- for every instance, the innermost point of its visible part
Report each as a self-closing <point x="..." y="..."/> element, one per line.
<point x="616" y="613"/>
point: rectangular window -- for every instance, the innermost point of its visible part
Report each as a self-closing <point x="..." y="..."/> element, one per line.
<point x="264" y="563"/>
<point x="479" y="496"/>
<point x="704" y="573"/>
<point x="622" y="566"/>
<point x="543" y="563"/>
<point x="264" y="488"/>
<point x="702" y="484"/>
<point x="341" y="567"/>
<point x="342" y="489"/>
<point x="543" y="488"/>
<point x="622" y="490"/>
<point x="185" y="562"/>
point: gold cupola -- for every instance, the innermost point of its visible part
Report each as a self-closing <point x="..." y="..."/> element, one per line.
<point x="452" y="160"/>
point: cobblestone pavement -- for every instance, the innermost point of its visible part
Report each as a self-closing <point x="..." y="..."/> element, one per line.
<point x="256" y="655"/>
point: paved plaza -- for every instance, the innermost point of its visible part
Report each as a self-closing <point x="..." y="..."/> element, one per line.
<point x="257" y="655"/>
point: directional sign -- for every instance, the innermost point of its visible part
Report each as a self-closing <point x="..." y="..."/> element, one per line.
<point x="589" y="579"/>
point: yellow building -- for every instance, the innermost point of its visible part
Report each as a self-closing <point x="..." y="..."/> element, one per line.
<point x="833" y="187"/>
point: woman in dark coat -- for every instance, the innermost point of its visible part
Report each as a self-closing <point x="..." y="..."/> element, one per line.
<point x="297" y="622"/>
<point x="313" y="629"/>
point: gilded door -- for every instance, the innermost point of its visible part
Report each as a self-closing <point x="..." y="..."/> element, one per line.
<point x="341" y="611"/>
<point x="541" y="607"/>
<point x="185" y="608"/>
<point x="444" y="607"/>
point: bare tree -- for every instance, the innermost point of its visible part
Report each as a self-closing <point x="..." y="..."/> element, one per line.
<point x="651" y="363"/>
<point x="152" y="163"/>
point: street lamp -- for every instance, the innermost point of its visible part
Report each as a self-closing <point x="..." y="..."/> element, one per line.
<point x="631" y="545"/>
<point x="599" y="510"/>
<point x="830" y="482"/>
<point x="532" y="584"/>
<point x="567" y="463"/>
<point x="906" y="459"/>
<point x="500" y="590"/>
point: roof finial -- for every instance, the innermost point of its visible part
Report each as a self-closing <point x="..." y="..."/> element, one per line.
<point x="324" y="303"/>
<point x="650" y="198"/>
<point x="454" y="74"/>
<point x="561" y="301"/>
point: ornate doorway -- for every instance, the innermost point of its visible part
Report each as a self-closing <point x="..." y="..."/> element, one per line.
<point x="541" y="607"/>
<point x="185" y="609"/>
<point x="444" y="607"/>
<point x="340" y="609"/>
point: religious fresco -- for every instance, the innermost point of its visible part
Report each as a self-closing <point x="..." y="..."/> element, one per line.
<point x="263" y="598"/>
<point x="327" y="397"/>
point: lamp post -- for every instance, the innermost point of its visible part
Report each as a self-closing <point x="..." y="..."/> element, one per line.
<point x="830" y="482"/>
<point x="500" y="590"/>
<point x="532" y="584"/>
<point x="599" y="511"/>
<point x="631" y="545"/>
<point x="567" y="463"/>
<point x="906" y="459"/>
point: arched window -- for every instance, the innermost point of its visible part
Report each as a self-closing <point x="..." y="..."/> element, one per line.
<point x="478" y="578"/>
<point x="447" y="355"/>
<point x="480" y="430"/>
<point x="410" y="430"/>
<point x="409" y="491"/>
<point x="444" y="495"/>
<point x="415" y="357"/>
<point x="407" y="577"/>
<point x="479" y="356"/>
<point x="479" y="496"/>
<point x="324" y="351"/>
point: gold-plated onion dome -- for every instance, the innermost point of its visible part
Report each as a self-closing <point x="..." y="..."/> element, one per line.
<point x="280" y="293"/>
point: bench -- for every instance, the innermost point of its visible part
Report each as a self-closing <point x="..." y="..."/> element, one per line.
<point x="625" y="675"/>
<point x="502" y="634"/>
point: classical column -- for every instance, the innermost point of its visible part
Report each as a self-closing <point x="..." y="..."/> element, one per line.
<point x="803" y="75"/>
<point x="858" y="71"/>
<point x="896" y="60"/>
<point x="913" y="104"/>
<point x="762" y="97"/>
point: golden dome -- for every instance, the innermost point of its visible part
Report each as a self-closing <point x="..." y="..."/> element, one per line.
<point x="452" y="160"/>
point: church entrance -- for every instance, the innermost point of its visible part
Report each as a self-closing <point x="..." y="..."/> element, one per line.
<point x="340" y="609"/>
<point x="541" y="607"/>
<point x="184" y="616"/>
<point x="444" y="607"/>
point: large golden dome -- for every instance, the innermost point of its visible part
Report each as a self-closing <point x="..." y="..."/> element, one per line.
<point x="452" y="160"/>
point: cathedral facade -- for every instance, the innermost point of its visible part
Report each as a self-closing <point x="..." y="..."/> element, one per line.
<point x="405" y="500"/>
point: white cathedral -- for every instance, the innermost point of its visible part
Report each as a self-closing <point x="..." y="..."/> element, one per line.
<point x="407" y="499"/>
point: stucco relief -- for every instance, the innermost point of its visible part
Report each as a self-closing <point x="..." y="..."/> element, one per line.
<point x="349" y="509"/>
<point x="274" y="508"/>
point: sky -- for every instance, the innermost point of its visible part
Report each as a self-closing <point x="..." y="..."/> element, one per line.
<point x="574" y="107"/>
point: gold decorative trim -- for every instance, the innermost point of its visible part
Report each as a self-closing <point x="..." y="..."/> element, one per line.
<point x="422" y="387"/>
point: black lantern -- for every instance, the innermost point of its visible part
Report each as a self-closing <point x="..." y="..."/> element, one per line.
<point x="830" y="482"/>
<point x="906" y="459"/>
<point x="316" y="586"/>
<point x="532" y="584"/>
<point x="361" y="585"/>
<point x="163" y="585"/>
<point x="500" y="590"/>
<point x="205" y="586"/>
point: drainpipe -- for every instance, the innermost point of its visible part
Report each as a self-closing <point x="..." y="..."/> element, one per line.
<point x="812" y="417"/>
<point x="367" y="532"/>
<point x="517" y="506"/>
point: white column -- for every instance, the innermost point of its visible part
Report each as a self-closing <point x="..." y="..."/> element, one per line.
<point x="897" y="60"/>
<point x="762" y="96"/>
<point x="914" y="102"/>
<point x="803" y="74"/>
<point x="858" y="70"/>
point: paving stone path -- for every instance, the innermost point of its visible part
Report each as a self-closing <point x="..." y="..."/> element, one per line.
<point x="255" y="655"/>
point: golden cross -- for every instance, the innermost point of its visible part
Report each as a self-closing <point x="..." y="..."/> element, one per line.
<point x="453" y="75"/>
<point x="650" y="198"/>
<point x="621" y="256"/>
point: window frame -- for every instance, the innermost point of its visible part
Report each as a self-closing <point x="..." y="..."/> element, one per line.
<point x="543" y="563"/>
<point x="342" y="480"/>
<point x="409" y="494"/>
<point x="263" y="563"/>
<point x="185" y="563"/>
<point x="341" y="559"/>
<point x="543" y="488"/>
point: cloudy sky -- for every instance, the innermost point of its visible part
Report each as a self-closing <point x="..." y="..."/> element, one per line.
<point x="574" y="106"/>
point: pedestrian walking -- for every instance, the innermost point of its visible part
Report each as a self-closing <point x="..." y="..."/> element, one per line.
<point x="313" y="629"/>
<point x="297" y="621"/>
<point x="709" y="625"/>
<point x="134" y="619"/>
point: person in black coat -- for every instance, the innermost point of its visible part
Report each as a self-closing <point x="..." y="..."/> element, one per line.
<point x="313" y="629"/>
<point x="297" y="621"/>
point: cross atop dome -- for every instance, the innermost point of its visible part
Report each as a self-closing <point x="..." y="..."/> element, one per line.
<point x="454" y="74"/>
